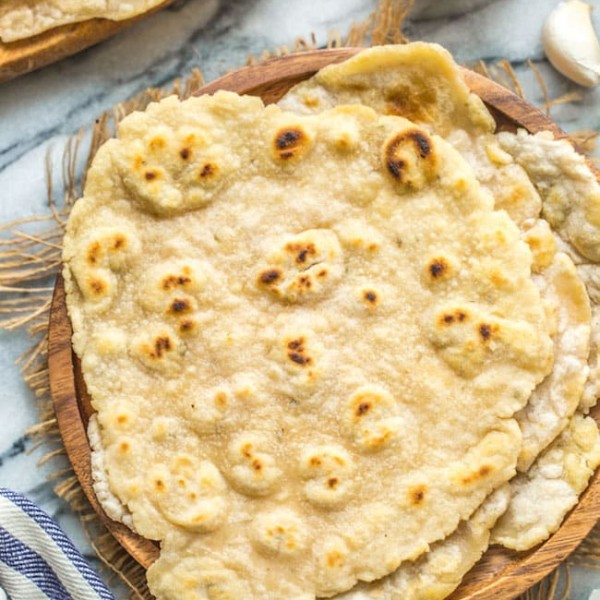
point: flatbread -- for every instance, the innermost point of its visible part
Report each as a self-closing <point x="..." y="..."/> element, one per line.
<point x="417" y="81"/>
<point x="570" y="191"/>
<point x="558" y="477"/>
<point x="571" y="196"/>
<point x="436" y="96"/>
<point x="20" y="19"/>
<point x="543" y="496"/>
<point x="571" y="204"/>
<point x="228" y="272"/>
<point x="111" y="505"/>
<point x="555" y="400"/>
<point x="436" y="574"/>
<point x="529" y="177"/>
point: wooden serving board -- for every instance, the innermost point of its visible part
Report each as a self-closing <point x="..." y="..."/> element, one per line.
<point x="24" y="56"/>
<point x="501" y="573"/>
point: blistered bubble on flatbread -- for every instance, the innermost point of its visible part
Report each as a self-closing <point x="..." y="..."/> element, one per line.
<point x="302" y="267"/>
<point x="253" y="467"/>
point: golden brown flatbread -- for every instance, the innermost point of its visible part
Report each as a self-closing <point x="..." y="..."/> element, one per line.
<point x="305" y="336"/>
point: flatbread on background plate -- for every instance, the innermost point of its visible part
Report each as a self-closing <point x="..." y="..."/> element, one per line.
<point x="20" y="19"/>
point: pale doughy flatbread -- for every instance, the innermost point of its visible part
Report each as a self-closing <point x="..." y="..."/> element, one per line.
<point x="571" y="201"/>
<point x="112" y="506"/>
<point x="439" y="572"/>
<point x="21" y="19"/>
<point x="565" y="467"/>
<point x="271" y="311"/>
<point x="391" y="80"/>
<point x="555" y="400"/>
<point x="417" y="81"/>
<point x="570" y="193"/>
<point x="543" y="496"/>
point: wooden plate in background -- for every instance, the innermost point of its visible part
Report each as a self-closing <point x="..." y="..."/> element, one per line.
<point x="501" y="573"/>
<point x="24" y="56"/>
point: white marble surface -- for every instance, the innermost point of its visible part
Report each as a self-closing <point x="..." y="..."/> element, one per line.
<point x="39" y="111"/>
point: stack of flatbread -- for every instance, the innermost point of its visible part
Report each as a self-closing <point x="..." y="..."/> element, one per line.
<point x="338" y="346"/>
<point x="20" y="19"/>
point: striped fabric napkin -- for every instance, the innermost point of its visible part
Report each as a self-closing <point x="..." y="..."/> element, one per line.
<point x="37" y="560"/>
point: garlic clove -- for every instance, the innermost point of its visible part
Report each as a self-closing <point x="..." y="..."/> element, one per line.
<point x="571" y="44"/>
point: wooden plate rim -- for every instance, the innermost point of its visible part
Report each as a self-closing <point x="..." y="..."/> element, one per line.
<point x="269" y="79"/>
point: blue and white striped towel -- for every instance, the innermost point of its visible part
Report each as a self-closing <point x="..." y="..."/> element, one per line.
<point x="37" y="560"/>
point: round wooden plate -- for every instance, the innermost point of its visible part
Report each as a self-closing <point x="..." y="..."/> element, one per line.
<point x="500" y="573"/>
<point x="24" y="56"/>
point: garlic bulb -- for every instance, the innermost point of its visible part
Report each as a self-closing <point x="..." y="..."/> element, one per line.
<point x="571" y="44"/>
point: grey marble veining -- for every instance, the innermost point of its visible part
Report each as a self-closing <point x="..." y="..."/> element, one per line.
<point x="39" y="112"/>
